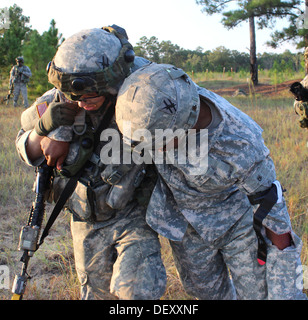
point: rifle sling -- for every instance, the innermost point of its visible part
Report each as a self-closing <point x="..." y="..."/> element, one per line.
<point x="71" y="184"/>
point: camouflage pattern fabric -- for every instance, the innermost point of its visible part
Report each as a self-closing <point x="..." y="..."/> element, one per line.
<point x="20" y="74"/>
<point x="165" y="86"/>
<point x="117" y="254"/>
<point x="86" y="56"/>
<point x="301" y="108"/>
<point x="19" y="77"/>
<point x="120" y="260"/>
<point x="215" y="203"/>
<point x="205" y="269"/>
<point x="20" y="88"/>
<point x="209" y="219"/>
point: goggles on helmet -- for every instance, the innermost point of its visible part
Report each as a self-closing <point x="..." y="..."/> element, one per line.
<point x="104" y="81"/>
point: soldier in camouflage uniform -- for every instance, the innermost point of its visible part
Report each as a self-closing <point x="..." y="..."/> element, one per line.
<point x="117" y="254"/>
<point x="205" y="208"/>
<point x="301" y="107"/>
<point x="19" y="78"/>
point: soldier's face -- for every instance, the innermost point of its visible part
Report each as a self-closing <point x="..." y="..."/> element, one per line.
<point x="91" y="101"/>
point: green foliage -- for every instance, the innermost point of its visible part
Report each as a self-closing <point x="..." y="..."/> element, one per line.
<point x="12" y="38"/>
<point x="284" y="62"/>
<point x="217" y="60"/>
<point x="38" y="50"/>
<point x="265" y="12"/>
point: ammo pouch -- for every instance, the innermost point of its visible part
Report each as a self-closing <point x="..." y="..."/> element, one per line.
<point x="122" y="192"/>
<point x="89" y="203"/>
<point x="98" y="203"/>
<point x="85" y="142"/>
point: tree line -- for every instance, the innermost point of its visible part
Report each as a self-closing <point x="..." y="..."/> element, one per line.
<point x="262" y="14"/>
<point x="38" y="49"/>
<point x="21" y="40"/>
<point x="216" y="60"/>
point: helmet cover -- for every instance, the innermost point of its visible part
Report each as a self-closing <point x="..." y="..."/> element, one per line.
<point x="93" y="60"/>
<point x="158" y="96"/>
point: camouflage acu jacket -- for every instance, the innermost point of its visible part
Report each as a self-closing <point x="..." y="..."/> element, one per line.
<point x="20" y="75"/>
<point x="92" y="198"/>
<point x="238" y="165"/>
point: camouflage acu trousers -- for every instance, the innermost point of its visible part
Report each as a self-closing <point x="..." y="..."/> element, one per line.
<point x="120" y="260"/>
<point x="21" y="88"/>
<point x="228" y="268"/>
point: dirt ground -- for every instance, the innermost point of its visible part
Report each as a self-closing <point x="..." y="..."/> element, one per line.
<point x="262" y="89"/>
<point x="242" y="89"/>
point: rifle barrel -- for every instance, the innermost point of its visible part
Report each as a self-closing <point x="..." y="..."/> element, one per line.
<point x="29" y="233"/>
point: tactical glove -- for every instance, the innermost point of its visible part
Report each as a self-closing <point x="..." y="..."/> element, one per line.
<point x="301" y="108"/>
<point x="57" y="114"/>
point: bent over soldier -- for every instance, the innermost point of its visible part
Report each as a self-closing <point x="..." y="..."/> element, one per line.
<point x="19" y="78"/>
<point x="224" y="214"/>
<point x="117" y="254"/>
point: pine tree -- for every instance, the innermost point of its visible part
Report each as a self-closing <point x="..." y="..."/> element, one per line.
<point x="262" y="12"/>
<point x="38" y="50"/>
<point x="12" y="38"/>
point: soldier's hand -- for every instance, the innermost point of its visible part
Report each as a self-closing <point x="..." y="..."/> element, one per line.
<point x="57" y="114"/>
<point x="301" y="108"/>
<point x="54" y="151"/>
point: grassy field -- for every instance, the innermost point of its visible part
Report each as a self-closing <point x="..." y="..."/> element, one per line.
<point x="52" y="267"/>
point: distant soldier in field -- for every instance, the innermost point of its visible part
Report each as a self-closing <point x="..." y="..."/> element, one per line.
<point x="19" y="78"/>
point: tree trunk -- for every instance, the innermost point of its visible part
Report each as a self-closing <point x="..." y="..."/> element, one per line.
<point x="253" y="53"/>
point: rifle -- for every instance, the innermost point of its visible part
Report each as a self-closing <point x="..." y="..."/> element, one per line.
<point x="29" y="234"/>
<point x="7" y="98"/>
<point x="300" y="93"/>
<point x="28" y="241"/>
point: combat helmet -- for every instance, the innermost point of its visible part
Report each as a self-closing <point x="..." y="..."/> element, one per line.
<point x="93" y="60"/>
<point x="158" y="96"/>
<point x="20" y="59"/>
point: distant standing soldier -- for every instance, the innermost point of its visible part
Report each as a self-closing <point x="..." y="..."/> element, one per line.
<point x="19" y="77"/>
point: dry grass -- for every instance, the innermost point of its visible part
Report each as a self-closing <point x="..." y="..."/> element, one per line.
<point x="52" y="267"/>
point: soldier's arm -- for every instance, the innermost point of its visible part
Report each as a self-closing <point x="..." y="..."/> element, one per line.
<point x="33" y="146"/>
<point x="259" y="180"/>
<point x="27" y="72"/>
<point x="33" y="149"/>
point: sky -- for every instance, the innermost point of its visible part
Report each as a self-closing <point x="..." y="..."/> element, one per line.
<point x="180" y="21"/>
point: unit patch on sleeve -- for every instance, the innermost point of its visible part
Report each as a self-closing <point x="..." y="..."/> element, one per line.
<point x="41" y="108"/>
